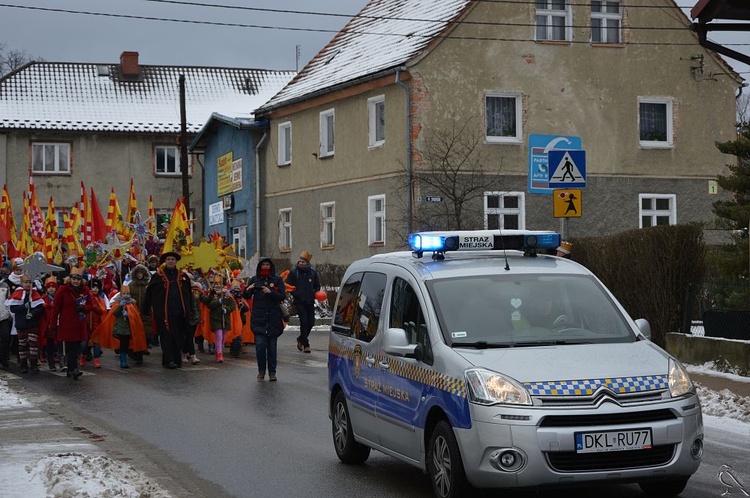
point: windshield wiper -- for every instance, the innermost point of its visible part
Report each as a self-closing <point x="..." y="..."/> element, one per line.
<point x="479" y="345"/>
<point x="542" y="343"/>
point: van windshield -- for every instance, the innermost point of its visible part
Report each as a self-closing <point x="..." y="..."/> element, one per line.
<point x="501" y="310"/>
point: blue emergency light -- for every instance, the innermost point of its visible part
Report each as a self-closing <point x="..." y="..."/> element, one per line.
<point x="481" y="240"/>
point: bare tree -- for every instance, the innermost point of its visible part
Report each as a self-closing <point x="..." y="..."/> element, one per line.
<point x="12" y="59"/>
<point x="743" y="108"/>
<point x="455" y="173"/>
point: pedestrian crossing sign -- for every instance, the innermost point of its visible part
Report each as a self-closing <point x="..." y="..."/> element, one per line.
<point x="567" y="203"/>
<point x="567" y="168"/>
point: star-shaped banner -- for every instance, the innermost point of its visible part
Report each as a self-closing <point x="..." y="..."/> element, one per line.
<point x="36" y="266"/>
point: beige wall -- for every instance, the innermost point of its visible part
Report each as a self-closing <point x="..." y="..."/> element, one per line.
<point x="573" y="89"/>
<point x="102" y="162"/>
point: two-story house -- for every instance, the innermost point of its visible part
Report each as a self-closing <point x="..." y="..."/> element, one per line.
<point x="627" y="83"/>
<point x="103" y="124"/>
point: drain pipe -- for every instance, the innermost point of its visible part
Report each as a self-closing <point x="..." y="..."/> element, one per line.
<point x="257" y="191"/>
<point x="409" y="206"/>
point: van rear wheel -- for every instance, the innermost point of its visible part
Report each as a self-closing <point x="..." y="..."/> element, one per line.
<point x="444" y="463"/>
<point x="347" y="449"/>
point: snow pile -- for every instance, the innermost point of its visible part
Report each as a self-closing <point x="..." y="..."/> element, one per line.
<point x="724" y="403"/>
<point x="72" y="475"/>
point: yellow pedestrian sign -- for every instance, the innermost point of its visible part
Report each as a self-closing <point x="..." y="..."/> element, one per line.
<point x="566" y="203"/>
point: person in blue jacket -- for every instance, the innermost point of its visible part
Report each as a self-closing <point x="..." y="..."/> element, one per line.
<point x="306" y="283"/>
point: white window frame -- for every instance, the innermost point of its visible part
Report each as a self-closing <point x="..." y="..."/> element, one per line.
<point x="501" y="211"/>
<point x="162" y="150"/>
<point x="55" y="165"/>
<point x="376" y="220"/>
<point x="327" y="224"/>
<point x="653" y="212"/>
<point x="376" y="115"/>
<point x="327" y="133"/>
<point x="285" y="143"/>
<point x="548" y="13"/>
<point x="239" y="240"/>
<point x="607" y="33"/>
<point x="285" y="229"/>
<point x="657" y="144"/>
<point x="518" y="101"/>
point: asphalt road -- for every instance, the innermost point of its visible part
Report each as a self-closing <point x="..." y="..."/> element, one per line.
<point x="214" y="430"/>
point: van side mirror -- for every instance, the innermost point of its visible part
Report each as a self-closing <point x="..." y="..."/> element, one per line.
<point x="644" y="327"/>
<point x="396" y="343"/>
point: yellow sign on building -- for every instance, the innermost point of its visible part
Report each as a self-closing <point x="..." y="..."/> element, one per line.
<point x="224" y="174"/>
<point x="566" y="203"/>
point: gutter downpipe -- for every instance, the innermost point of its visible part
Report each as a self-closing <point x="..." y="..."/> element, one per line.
<point x="257" y="190"/>
<point x="409" y="206"/>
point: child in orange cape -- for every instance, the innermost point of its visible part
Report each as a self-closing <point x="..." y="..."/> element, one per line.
<point x="122" y="328"/>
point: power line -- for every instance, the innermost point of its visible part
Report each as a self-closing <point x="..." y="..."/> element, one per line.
<point x="334" y="31"/>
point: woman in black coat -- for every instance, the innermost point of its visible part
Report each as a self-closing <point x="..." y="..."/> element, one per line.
<point x="267" y="291"/>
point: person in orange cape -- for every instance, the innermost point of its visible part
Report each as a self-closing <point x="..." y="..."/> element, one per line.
<point x="122" y="328"/>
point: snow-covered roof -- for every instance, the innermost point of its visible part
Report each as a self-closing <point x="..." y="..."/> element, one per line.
<point x="385" y="34"/>
<point x="97" y="97"/>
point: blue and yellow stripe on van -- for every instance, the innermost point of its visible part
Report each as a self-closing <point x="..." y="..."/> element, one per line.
<point x="587" y="387"/>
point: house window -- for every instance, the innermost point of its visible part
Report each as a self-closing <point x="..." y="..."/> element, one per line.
<point x="606" y="19"/>
<point x="326" y="133"/>
<point x="657" y="209"/>
<point x="285" y="143"/>
<point x="553" y="20"/>
<point x="503" y="112"/>
<point x="285" y="229"/>
<point x="239" y="240"/>
<point x="655" y="122"/>
<point x="327" y="224"/>
<point x="376" y="120"/>
<point x="167" y="160"/>
<point x="376" y="220"/>
<point x="504" y="210"/>
<point x="50" y="158"/>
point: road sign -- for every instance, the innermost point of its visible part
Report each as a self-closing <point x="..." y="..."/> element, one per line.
<point x="539" y="148"/>
<point x="567" y="168"/>
<point x="567" y="203"/>
<point x="433" y="198"/>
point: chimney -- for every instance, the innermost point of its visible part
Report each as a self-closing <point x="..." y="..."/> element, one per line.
<point x="129" y="64"/>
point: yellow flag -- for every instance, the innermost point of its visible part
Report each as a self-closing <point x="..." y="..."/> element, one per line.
<point x="51" y="237"/>
<point x="178" y="235"/>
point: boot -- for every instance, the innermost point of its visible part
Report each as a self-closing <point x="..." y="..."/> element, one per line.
<point x="124" y="360"/>
<point x="34" y="365"/>
<point x="51" y="363"/>
<point x="219" y="357"/>
<point x="24" y="366"/>
<point x="194" y="360"/>
<point x="63" y="363"/>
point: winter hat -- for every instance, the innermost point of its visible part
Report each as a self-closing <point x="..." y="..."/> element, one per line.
<point x="124" y="288"/>
<point x="50" y="282"/>
<point x="17" y="262"/>
<point x="306" y="256"/>
<point x="565" y="247"/>
<point x="196" y="285"/>
<point x="95" y="282"/>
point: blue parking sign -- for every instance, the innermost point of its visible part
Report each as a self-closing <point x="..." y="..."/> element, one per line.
<point x="539" y="149"/>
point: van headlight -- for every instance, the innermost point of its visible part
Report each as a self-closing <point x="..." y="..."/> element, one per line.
<point x="679" y="381"/>
<point x="489" y="388"/>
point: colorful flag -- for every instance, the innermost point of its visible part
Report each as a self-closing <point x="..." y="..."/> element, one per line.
<point x="7" y="217"/>
<point x="25" y="243"/>
<point x="70" y="234"/>
<point x="132" y="208"/>
<point x="86" y="219"/>
<point x="178" y="235"/>
<point x="99" y="226"/>
<point x="51" y="236"/>
<point x="36" y="218"/>
<point x="151" y="218"/>
<point x="114" y="216"/>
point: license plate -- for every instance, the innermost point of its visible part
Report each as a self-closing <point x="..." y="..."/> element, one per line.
<point x="599" y="442"/>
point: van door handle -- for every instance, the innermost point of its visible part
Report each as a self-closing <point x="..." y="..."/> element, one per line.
<point x="384" y="365"/>
<point x="370" y="361"/>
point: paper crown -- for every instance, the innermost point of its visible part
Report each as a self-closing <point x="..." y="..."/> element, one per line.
<point x="306" y="256"/>
<point x="76" y="271"/>
<point x="51" y="282"/>
<point x="565" y="247"/>
<point x="124" y="288"/>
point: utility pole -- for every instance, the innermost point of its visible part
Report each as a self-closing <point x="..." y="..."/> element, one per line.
<point x="183" y="148"/>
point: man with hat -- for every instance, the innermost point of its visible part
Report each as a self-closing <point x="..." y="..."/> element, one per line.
<point x="169" y="301"/>
<point x="306" y="283"/>
<point x="564" y="250"/>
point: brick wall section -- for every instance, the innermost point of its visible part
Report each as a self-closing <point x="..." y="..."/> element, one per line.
<point x="420" y="107"/>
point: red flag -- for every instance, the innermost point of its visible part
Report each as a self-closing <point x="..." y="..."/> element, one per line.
<point x="99" y="227"/>
<point x="4" y="233"/>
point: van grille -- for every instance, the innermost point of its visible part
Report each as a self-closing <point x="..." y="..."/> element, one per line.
<point x="629" y="418"/>
<point x="570" y="461"/>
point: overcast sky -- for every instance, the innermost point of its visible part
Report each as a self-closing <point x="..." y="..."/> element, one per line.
<point x="75" y="37"/>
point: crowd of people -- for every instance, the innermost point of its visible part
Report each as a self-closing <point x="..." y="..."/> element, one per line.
<point x="67" y="318"/>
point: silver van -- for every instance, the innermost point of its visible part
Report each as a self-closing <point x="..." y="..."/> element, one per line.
<point x="491" y="364"/>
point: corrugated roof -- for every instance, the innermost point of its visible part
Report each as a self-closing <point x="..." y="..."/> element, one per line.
<point x="384" y="35"/>
<point x="95" y="97"/>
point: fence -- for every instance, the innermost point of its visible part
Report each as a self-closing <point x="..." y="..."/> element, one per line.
<point x="723" y="308"/>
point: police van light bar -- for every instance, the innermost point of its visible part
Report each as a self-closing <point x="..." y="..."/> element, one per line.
<point x="523" y="240"/>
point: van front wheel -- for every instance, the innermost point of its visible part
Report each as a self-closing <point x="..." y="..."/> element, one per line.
<point x="444" y="463"/>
